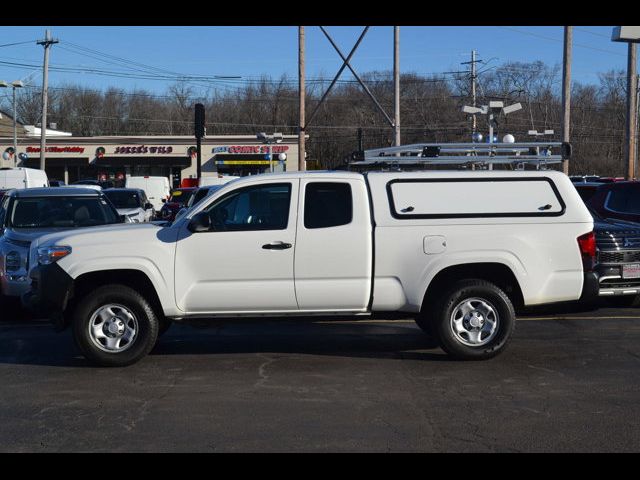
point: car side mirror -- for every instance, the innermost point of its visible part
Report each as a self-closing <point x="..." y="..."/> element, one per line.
<point x="201" y="222"/>
<point x="148" y="206"/>
<point x="164" y="200"/>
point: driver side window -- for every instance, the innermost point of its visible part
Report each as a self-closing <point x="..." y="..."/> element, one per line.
<point x="261" y="207"/>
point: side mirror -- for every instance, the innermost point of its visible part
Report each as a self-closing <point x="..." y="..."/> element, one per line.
<point x="164" y="200"/>
<point x="148" y="206"/>
<point x="201" y="222"/>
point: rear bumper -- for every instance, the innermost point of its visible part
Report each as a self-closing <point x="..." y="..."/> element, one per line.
<point x="590" y="287"/>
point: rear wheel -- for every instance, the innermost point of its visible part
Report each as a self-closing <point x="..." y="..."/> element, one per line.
<point x="114" y="326"/>
<point x="473" y="320"/>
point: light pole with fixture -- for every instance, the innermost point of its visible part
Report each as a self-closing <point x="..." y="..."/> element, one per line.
<point x="492" y="110"/>
<point x="15" y="84"/>
<point x="270" y="140"/>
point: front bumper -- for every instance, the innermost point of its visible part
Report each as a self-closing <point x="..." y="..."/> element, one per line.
<point x="14" y="284"/>
<point x="51" y="289"/>
<point x="612" y="282"/>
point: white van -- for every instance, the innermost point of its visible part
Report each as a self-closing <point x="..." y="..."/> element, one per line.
<point x="22" y="178"/>
<point x="156" y="188"/>
<point x="216" y="180"/>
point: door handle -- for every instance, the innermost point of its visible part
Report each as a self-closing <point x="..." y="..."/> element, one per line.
<point x="276" y="246"/>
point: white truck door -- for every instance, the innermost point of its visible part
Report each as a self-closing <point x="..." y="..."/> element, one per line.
<point x="334" y="255"/>
<point x="245" y="262"/>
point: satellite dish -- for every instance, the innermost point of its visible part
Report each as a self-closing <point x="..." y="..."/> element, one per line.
<point x="508" y="138"/>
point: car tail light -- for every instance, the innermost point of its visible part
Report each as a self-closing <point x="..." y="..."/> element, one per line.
<point x="587" y="245"/>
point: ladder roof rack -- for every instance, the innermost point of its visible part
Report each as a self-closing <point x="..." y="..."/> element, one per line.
<point x="539" y="154"/>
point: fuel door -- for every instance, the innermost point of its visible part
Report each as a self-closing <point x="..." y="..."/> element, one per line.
<point x="434" y="244"/>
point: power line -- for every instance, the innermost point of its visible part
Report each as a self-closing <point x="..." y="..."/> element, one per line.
<point x="17" y="43"/>
<point x="611" y="52"/>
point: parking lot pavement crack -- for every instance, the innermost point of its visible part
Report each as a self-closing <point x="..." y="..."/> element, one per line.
<point x="145" y="407"/>
<point x="262" y="370"/>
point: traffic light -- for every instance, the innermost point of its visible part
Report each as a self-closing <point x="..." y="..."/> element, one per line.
<point x="199" y="121"/>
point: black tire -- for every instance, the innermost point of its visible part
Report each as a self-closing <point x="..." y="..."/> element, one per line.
<point x="440" y="313"/>
<point x="142" y="343"/>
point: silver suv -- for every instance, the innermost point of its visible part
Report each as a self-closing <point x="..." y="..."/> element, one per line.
<point x="27" y="214"/>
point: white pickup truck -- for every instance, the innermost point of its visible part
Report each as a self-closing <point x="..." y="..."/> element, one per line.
<point x="456" y="249"/>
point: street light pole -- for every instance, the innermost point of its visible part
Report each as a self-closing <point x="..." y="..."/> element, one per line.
<point x="15" y="84"/>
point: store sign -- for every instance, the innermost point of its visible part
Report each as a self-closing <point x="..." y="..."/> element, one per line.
<point x="142" y="149"/>
<point x="242" y="162"/>
<point x="54" y="149"/>
<point x="251" y="149"/>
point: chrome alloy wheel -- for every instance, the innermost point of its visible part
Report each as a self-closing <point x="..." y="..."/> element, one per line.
<point x="474" y="322"/>
<point x="113" y="328"/>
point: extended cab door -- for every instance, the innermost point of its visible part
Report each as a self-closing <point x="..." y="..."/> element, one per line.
<point x="245" y="262"/>
<point x="334" y="255"/>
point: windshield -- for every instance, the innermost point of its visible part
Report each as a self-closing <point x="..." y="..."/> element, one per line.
<point x="58" y="212"/>
<point x="181" y="196"/>
<point x="124" y="199"/>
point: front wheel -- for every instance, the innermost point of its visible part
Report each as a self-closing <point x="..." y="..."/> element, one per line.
<point x="114" y="326"/>
<point x="473" y="320"/>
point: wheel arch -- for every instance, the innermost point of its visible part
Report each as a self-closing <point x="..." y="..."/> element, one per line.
<point x="132" y="278"/>
<point x="495" y="272"/>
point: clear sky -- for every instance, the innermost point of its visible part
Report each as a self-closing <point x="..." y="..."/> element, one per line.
<point x="253" y="51"/>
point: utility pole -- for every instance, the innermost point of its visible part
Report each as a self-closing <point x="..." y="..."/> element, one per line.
<point x="396" y="84"/>
<point x="473" y="89"/>
<point x="46" y="43"/>
<point x="360" y="139"/>
<point x="474" y="99"/>
<point x="632" y="109"/>
<point x="637" y="119"/>
<point x="566" y="90"/>
<point x="302" y="96"/>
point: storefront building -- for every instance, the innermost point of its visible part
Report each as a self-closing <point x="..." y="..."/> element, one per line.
<point x="113" y="158"/>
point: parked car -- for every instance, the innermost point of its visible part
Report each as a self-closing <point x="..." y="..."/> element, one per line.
<point x="131" y="202"/>
<point x="611" y="179"/>
<point x="22" y="178"/>
<point x="206" y="181"/>
<point x="85" y="185"/>
<point x="179" y="199"/>
<point x="200" y="194"/>
<point x="584" y="178"/>
<point x="99" y="183"/>
<point x="617" y="259"/>
<point x="156" y="188"/>
<point x="619" y="200"/>
<point x="28" y="214"/>
<point x="586" y="190"/>
<point x="358" y="243"/>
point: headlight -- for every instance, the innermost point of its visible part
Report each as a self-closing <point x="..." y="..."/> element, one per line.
<point x="48" y="255"/>
<point x="12" y="261"/>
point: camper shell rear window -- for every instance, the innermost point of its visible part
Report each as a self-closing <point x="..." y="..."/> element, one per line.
<point x="422" y="198"/>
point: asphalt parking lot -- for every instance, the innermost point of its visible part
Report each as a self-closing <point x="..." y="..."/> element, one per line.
<point x="569" y="381"/>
